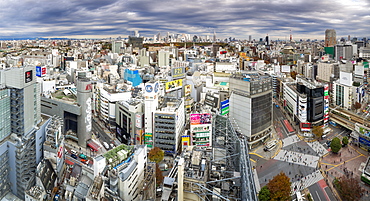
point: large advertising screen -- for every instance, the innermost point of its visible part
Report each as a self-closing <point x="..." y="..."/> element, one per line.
<point x="173" y="85"/>
<point x="205" y="118"/>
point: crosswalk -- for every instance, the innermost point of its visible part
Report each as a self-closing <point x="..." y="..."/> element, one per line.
<point x="297" y="158"/>
<point x="307" y="181"/>
<point x="318" y="148"/>
<point x="290" y="140"/>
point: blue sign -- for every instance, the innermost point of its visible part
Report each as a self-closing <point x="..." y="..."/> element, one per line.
<point x="224" y="103"/>
<point x="364" y="141"/>
<point x="149" y="88"/>
<point x="38" y="71"/>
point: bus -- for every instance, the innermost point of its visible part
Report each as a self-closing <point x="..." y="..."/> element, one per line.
<point x="288" y="127"/>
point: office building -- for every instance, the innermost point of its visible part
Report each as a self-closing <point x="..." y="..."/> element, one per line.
<point x="330" y="38"/>
<point x="251" y="105"/>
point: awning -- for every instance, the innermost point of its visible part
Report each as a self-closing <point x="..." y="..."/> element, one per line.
<point x="69" y="162"/>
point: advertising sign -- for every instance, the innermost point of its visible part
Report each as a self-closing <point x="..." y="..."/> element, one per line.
<point x="138" y="120"/>
<point x="187" y="91"/>
<point x="28" y="76"/>
<point x="178" y="72"/>
<point x="196" y="119"/>
<point x="173" y="85"/>
<point x="225" y="107"/>
<point x="148" y="139"/>
<point x="38" y="71"/>
<point x="285" y="69"/>
<point x="305" y="126"/>
<point x="185" y="141"/>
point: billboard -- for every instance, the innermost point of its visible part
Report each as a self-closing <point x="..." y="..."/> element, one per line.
<point x="305" y="126"/>
<point x="345" y="78"/>
<point x="28" y="76"/>
<point x="186" y="141"/>
<point x="138" y="120"/>
<point x="205" y="118"/>
<point x="178" y="72"/>
<point x="38" y="71"/>
<point x="173" y="85"/>
<point x="148" y="139"/>
<point x="187" y="90"/>
<point x="285" y="69"/>
<point x="225" y="107"/>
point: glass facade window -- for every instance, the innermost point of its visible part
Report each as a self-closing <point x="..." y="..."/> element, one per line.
<point x="261" y="112"/>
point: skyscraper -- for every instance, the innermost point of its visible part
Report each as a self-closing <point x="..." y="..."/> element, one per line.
<point x="330" y="38"/>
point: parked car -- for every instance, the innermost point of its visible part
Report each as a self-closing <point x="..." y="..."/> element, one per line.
<point x="74" y="156"/>
<point x="106" y="145"/>
<point x="83" y="156"/>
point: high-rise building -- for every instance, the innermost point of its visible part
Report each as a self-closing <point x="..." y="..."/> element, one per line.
<point x="251" y="105"/>
<point x="20" y="102"/>
<point x="330" y="38"/>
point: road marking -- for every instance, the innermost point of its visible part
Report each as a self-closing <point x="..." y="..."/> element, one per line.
<point x="256" y="154"/>
<point x="318" y="195"/>
<point x="252" y="160"/>
<point x="344" y="162"/>
<point x="322" y="163"/>
<point x="280" y="145"/>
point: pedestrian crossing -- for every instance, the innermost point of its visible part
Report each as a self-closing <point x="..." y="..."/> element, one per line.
<point x="306" y="181"/>
<point x="318" y="148"/>
<point x="297" y="158"/>
<point x="290" y="140"/>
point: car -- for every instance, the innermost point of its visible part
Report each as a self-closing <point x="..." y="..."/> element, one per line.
<point x="106" y="145"/>
<point x="328" y="143"/>
<point x="73" y="152"/>
<point x="87" y="162"/>
<point x="74" y="156"/>
<point x="83" y="160"/>
<point x="83" y="156"/>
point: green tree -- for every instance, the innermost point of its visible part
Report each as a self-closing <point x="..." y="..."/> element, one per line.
<point x="279" y="187"/>
<point x="349" y="188"/>
<point x="264" y="194"/>
<point x="156" y="155"/>
<point x="335" y="145"/>
<point x="318" y="131"/>
<point x="345" y="140"/>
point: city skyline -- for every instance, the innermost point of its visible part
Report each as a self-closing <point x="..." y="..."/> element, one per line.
<point x="228" y="18"/>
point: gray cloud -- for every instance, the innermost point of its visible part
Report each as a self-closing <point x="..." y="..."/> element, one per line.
<point x="235" y="18"/>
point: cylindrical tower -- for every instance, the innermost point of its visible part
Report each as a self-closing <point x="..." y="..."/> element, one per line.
<point x="84" y="120"/>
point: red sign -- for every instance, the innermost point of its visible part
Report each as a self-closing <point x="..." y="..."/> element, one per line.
<point x="88" y="87"/>
<point x="60" y="152"/>
<point x="43" y="71"/>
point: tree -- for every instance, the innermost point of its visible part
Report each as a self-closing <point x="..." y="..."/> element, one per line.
<point x="345" y="140"/>
<point x="158" y="175"/>
<point x="293" y="74"/>
<point x="335" y="145"/>
<point x="357" y="105"/>
<point x="349" y="188"/>
<point x="279" y="187"/>
<point x="156" y="155"/>
<point x="264" y="194"/>
<point x="318" y="131"/>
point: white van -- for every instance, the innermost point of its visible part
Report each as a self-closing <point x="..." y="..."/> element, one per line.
<point x="106" y="145"/>
<point x="270" y="145"/>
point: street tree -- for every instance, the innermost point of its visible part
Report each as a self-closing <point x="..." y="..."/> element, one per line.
<point x="279" y="187"/>
<point x="345" y="140"/>
<point x="335" y="145"/>
<point x="264" y="194"/>
<point x="156" y="155"/>
<point x="349" y="188"/>
<point x="318" y="131"/>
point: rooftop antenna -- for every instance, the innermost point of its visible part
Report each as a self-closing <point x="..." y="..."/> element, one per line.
<point x="290" y="35"/>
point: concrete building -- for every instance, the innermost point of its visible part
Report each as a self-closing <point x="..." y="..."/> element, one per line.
<point x="330" y="38"/>
<point x="169" y="125"/>
<point x="129" y="120"/>
<point x="251" y="105"/>
<point x="151" y="102"/>
<point x="327" y="71"/>
<point x="343" y="51"/>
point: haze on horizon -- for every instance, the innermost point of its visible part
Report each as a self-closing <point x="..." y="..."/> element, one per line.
<point x="228" y="18"/>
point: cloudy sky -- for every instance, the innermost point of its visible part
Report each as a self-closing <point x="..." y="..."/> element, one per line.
<point x="228" y="18"/>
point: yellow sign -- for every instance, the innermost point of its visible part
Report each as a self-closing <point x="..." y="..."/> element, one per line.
<point x="187" y="90"/>
<point x="173" y="85"/>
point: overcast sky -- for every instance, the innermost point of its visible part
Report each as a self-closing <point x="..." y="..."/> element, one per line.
<point x="228" y="18"/>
